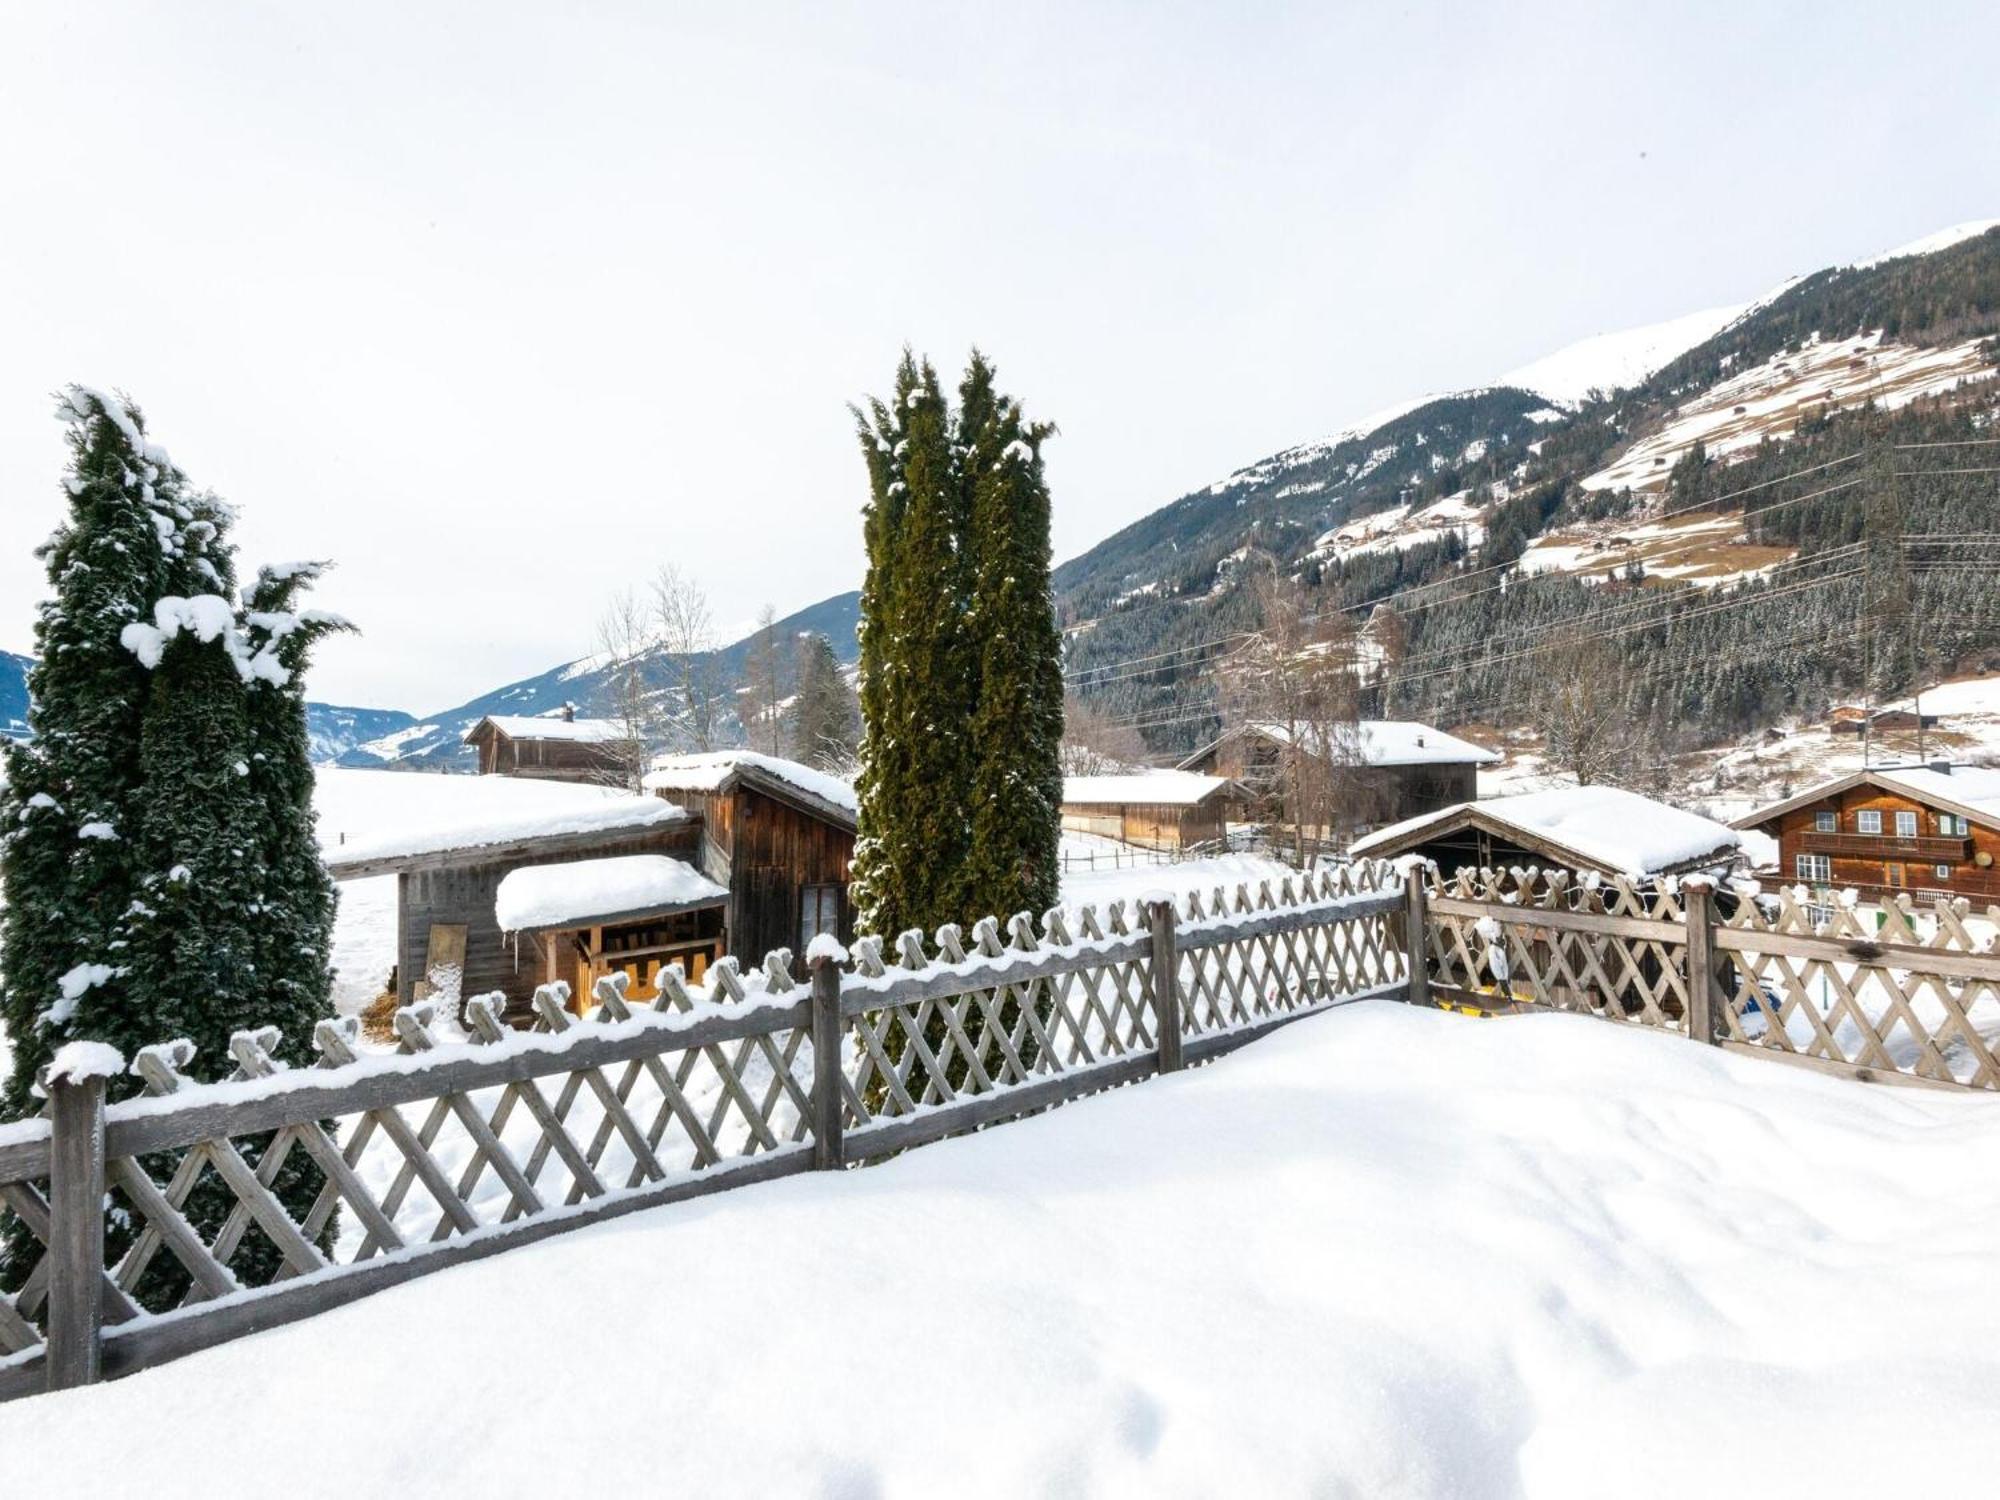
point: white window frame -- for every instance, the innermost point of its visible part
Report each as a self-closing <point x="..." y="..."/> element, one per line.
<point x="1906" y="823"/>
<point x="1813" y="869"/>
<point x="1868" y="820"/>
<point x="1951" y="825"/>
<point x="1941" y="872"/>
<point x="1826" y="822"/>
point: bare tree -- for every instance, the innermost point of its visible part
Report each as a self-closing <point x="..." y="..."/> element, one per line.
<point x="1095" y="744"/>
<point x="1580" y="713"/>
<point x="625" y="641"/>
<point x="684" y="631"/>
<point x="763" y="724"/>
<point x="1296" y="684"/>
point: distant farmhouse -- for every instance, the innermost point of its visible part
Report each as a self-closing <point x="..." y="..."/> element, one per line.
<point x="558" y="748"/>
<point x="1409" y="768"/>
<point x="1155" y="809"/>
<point x="1931" y="830"/>
<point x="1852" y="720"/>
<point x="1600" y="830"/>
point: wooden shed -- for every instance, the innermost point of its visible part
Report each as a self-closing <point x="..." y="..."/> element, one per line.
<point x="778" y="835"/>
<point x="625" y="913"/>
<point x="1154" y="809"/>
<point x="558" y="748"/>
<point x="1409" y="768"/>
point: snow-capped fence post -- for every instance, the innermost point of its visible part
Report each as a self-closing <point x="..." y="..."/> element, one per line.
<point x="1416" y="924"/>
<point x="1698" y="907"/>
<point x="1166" y="965"/>
<point x="76" y="1220"/>
<point x="829" y="1150"/>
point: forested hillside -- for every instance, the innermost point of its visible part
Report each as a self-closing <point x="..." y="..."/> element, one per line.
<point x="1845" y="541"/>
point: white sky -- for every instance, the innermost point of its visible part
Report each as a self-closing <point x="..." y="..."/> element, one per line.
<point x="501" y="306"/>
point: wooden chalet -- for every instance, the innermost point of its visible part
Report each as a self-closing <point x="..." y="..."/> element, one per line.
<point x="1599" y="830"/>
<point x="1406" y="768"/>
<point x="1859" y="721"/>
<point x="777" y="835"/>
<point x="1930" y="830"/>
<point x="558" y="748"/>
<point x="1154" y="809"/>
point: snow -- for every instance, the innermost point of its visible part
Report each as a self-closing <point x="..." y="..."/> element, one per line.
<point x="99" y="830"/>
<point x="210" y="617"/>
<point x="580" y="891"/>
<point x="76" y="1061"/>
<point x="825" y="945"/>
<point x="1100" y="887"/>
<point x="1391" y="742"/>
<point x="1930" y="244"/>
<point x="390" y="814"/>
<point x="708" y="771"/>
<point x="1607" y="825"/>
<point x="586" y="731"/>
<point x="1974" y="788"/>
<point x="1160" y="788"/>
<point x="1557" y="1258"/>
<point x="1611" y="361"/>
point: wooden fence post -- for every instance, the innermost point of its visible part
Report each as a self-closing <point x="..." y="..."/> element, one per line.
<point x="1160" y="923"/>
<point x="76" y="1231"/>
<point x="1416" y="943"/>
<point x="1698" y="906"/>
<point x="829" y="1148"/>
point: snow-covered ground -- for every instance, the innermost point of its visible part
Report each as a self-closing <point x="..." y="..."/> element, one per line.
<point x="1535" y="1257"/>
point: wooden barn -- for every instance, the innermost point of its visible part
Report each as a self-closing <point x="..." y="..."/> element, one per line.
<point x="777" y="835"/>
<point x="1408" y="768"/>
<point x="558" y="748"/>
<point x="1601" y="830"/>
<point x="1154" y="809"/>
<point x="449" y="871"/>
<point x="1929" y="830"/>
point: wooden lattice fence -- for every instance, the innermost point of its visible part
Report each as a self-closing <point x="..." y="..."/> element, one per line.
<point x="1907" y="995"/>
<point x="450" y="1150"/>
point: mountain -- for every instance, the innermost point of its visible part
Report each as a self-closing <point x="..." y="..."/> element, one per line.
<point x="1601" y="483"/>
<point x="435" y="741"/>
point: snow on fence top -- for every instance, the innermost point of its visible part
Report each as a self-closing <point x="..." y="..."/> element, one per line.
<point x="579" y="892"/>
<point x="375" y="815"/>
<point x="1155" y="788"/>
<point x="1605" y="826"/>
<point x="586" y="731"/>
<point x="711" y="770"/>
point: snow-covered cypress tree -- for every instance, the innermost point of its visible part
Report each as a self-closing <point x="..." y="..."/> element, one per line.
<point x="918" y="666"/>
<point x="823" y="726"/>
<point x="1017" y="722"/>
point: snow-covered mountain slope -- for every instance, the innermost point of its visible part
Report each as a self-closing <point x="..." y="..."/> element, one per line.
<point x="1614" y="361"/>
<point x="1549" y="1257"/>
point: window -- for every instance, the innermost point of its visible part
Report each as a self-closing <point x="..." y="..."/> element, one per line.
<point x="1941" y="872"/>
<point x="1826" y="822"/>
<point x="1869" y="820"/>
<point x="1906" y="825"/>
<point x="1815" y="869"/>
<point x="1951" y="825"/>
<point x="1893" y="877"/>
<point x="819" y="911"/>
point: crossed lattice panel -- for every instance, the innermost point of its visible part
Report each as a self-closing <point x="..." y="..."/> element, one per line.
<point x="1841" y="1001"/>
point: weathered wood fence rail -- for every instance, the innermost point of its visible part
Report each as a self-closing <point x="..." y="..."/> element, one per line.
<point x="1914" y="999"/>
<point x="199" y="1212"/>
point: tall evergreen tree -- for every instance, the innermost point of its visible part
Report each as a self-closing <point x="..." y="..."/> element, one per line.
<point x="1017" y="722"/>
<point x="919" y="665"/>
<point x="824" y="726"/>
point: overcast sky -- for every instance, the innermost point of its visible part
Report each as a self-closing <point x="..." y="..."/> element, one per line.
<point x="500" y="307"/>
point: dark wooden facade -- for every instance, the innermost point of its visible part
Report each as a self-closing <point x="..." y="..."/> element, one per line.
<point x="1931" y="850"/>
<point x="783" y="858"/>
<point x="1156" y="825"/>
<point x="457" y="889"/>
<point x="551" y="757"/>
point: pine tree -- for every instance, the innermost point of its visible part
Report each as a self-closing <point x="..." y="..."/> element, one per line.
<point x="1017" y="723"/>
<point x="824" y="726"/>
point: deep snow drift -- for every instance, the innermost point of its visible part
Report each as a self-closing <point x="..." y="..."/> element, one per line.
<point x="1384" y="1252"/>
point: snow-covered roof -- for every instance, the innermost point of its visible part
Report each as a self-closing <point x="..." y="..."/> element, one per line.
<point x="376" y="816"/>
<point x="1156" y="788"/>
<point x="523" y="727"/>
<point x="712" y="770"/>
<point x="1377" y="742"/>
<point x="1973" y="791"/>
<point x="584" y="891"/>
<point x="1594" y="827"/>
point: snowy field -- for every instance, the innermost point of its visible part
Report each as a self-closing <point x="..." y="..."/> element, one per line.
<point x="1538" y="1257"/>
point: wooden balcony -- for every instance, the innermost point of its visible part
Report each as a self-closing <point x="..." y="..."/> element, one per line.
<point x="1925" y="849"/>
